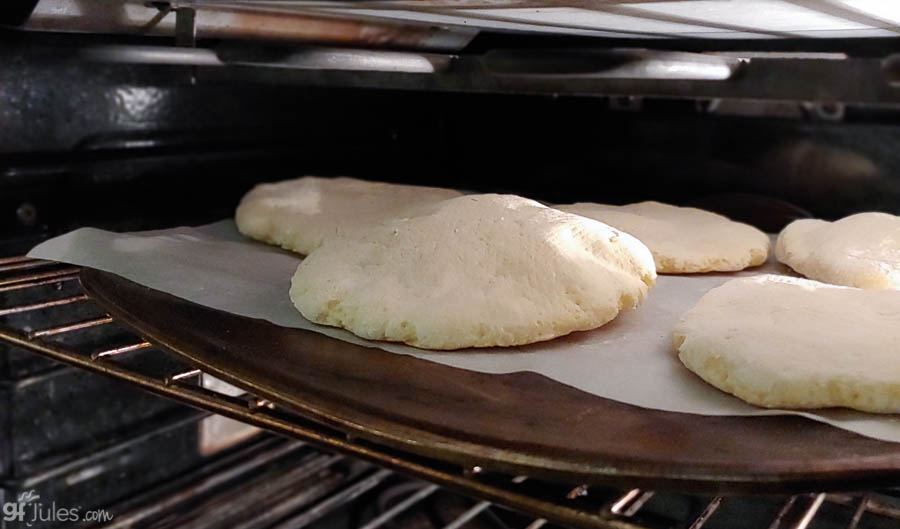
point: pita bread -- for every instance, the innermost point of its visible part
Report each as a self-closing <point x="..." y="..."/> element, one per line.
<point x="474" y="271"/>
<point x="299" y="214"/>
<point x="683" y="240"/>
<point x="861" y="250"/>
<point x="785" y="342"/>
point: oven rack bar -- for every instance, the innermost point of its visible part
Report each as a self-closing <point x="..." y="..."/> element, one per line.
<point x="580" y="506"/>
<point x="242" y="480"/>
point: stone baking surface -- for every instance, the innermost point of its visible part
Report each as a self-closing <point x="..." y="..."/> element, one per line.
<point x="630" y="359"/>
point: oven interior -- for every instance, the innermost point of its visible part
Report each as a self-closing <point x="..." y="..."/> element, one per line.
<point x="108" y="123"/>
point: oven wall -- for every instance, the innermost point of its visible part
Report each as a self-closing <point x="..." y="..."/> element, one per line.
<point x="132" y="147"/>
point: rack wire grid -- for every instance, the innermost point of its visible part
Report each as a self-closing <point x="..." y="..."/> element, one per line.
<point x="612" y="18"/>
<point x="55" y="288"/>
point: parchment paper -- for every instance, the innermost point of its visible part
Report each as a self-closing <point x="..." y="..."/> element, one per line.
<point x="629" y="359"/>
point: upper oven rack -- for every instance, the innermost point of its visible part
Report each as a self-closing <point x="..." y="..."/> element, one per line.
<point x="821" y="80"/>
<point x="608" y="18"/>
<point x="572" y="505"/>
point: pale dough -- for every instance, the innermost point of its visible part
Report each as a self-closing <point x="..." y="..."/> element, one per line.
<point x="299" y="214"/>
<point x="474" y="271"/>
<point x="861" y="250"/>
<point x="683" y="240"/>
<point x="785" y="342"/>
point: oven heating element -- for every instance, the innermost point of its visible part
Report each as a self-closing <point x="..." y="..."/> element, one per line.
<point x="571" y="505"/>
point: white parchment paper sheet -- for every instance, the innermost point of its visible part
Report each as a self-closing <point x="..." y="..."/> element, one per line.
<point x="629" y="360"/>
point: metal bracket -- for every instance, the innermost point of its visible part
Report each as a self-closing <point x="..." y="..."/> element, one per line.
<point x="185" y="21"/>
<point x="185" y="26"/>
<point x="16" y="12"/>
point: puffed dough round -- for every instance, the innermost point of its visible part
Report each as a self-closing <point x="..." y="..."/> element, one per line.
<point x="683" y="240"/>
<point x="861" y="250"/>
<point x="474" y="271"/>
<point x="786" y="342"/>
<point x="299" y="214"/>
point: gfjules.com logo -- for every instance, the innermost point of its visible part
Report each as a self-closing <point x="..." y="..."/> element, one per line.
<point x="29" y="511"/>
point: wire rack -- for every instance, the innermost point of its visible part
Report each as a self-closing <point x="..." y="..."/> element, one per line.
<point x="38" y="287"/>
<point x="622" y="18"/>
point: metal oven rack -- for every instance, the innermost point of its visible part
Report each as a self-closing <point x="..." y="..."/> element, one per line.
<point x="678" y="19"/>
<point x="544" y="502"/>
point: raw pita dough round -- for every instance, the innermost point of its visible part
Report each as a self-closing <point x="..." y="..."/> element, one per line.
<point x="785" y="342"/>
<point x="683" y="240"/>
<point x="861" y="250"/>
<point x="299" y="214"/>
<point x="474" y="271"/>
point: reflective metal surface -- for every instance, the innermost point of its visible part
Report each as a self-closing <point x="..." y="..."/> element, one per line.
<point x="612" y="64"/>
<point x="346" y="59"/>
<point x="310" y="58"/>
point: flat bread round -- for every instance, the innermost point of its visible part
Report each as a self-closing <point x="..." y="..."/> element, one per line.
<point x="683" y="240"/>
<point x="299" y="214"/>
<point x="474" y="271"/>
<point x="785" y="342"/>
<point x="861" y="250"/>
